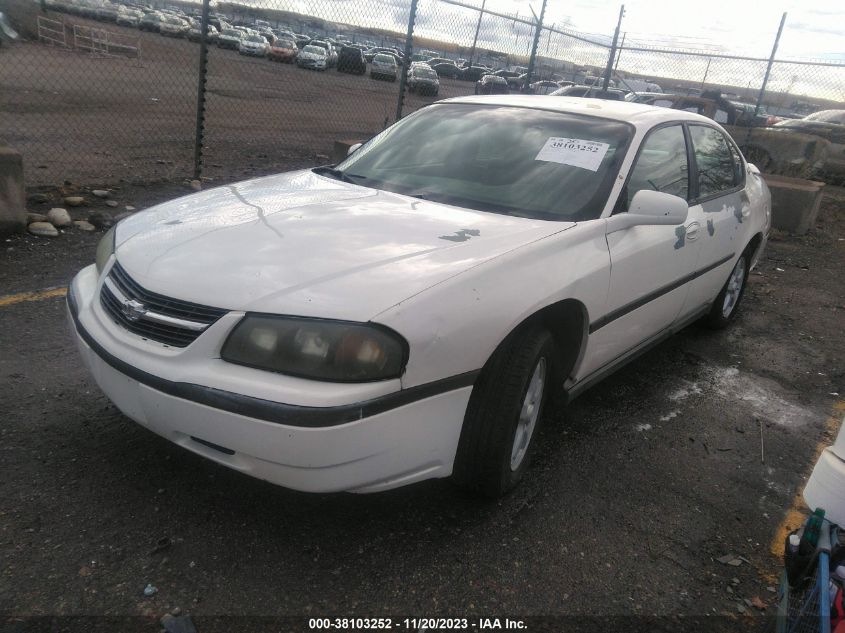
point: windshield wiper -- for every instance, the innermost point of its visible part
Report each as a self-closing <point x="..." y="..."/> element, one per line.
<point x="325" y="170"/>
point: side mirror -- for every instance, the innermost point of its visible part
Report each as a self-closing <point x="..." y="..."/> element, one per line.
<point x="353" y="149"/>
<point x="650" y="208"/>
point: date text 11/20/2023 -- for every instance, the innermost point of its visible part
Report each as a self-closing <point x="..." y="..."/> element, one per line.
<point x="417" y="624"/>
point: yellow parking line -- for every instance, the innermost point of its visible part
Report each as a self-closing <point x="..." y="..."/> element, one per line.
<point x="799" y="511"/>
<point x="37" y="295"/>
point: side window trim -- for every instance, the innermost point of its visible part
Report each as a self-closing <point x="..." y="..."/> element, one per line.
<point x="734" y="154"/>
<point x="691" y="152"/>
<point x="620" y="206"/>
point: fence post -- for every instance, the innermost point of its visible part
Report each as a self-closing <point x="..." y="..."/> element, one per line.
<point x="533" y="58"/>
<point x="765" y="79"/>
<point x="409" y="43"/>
<point x="609" y="67"/>
<point x="203" y="69"/>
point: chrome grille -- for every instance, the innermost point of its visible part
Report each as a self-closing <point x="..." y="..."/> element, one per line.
<point x="153" y="316"/>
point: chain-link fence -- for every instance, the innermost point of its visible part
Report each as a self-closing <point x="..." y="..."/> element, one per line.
<point x="98" y="92"/>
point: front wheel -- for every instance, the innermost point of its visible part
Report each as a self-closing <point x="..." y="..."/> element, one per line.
<point x="726" y="304"/>
<point x="504" y="413"/>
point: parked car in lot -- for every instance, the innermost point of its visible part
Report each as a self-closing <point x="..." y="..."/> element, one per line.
<point x="230" y="38"/>
<point x="195" y="32"/>
<point x="107" y="12"/>
<point x="474" y="73"/>
<point x="129" y="17"/>
<point x="446" y="69"/>
<point x="254" y="45"/>
<point x="543" y="87"/>
<point x="491" y="85"/>
<point x="174" y="27"/>
<point x="370" y="54"/>
<point x="283" y="50"/>
<point x="384" y="66"/>
<point x="150" y="22"/>
<point x="592" y="92"/>
<point x="431" y="294"/>
<point x="423" y="80"/>
<point x="331" y="54"/>
<point x="312" y="57"/>
<point x="350" y="59"/>
<point x="829" y="125"/>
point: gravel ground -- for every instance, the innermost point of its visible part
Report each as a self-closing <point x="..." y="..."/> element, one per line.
<point x="638" y="487"/>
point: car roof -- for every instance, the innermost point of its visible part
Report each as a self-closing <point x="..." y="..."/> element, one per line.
<point x="640" y="115"/>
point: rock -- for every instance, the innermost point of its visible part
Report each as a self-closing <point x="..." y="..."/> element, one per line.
<point x="757" y="603"/>
<point x="323" y="157"/>
<point x="100" y="193"/>
<point x="176" y="612"/>
<point x="196" y="185"/>
<point x="35" y="217"/>
<point x="82" y="225"/>
<point x="59" y="217"/>
<point x="129" y="207"/>
<point x="74" y="201"/>
<point x="149" y="590"/>
<point x="85" y="571"/>
<point x="39" y="198"/>
<point x="111" y="203"/>
<point x="122" y="216"/>
<point x="42" y="229"/>
<point x="101" y="220"/>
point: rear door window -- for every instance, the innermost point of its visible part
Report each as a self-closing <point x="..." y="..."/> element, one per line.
<point x="714" y="161"/>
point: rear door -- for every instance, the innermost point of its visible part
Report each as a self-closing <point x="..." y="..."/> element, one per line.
<point x="720" y="206"/>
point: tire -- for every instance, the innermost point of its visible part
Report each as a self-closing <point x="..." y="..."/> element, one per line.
<point x="500" y="428"/>
<point x="726" y="304"/>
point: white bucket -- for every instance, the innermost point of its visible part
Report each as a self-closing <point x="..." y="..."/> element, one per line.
<point x="826" y="486"/>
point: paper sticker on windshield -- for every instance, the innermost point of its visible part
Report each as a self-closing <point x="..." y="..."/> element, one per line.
<point x="573" y="151"/>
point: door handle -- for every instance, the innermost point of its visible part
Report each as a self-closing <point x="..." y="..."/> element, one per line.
<point x="692" y="230"/>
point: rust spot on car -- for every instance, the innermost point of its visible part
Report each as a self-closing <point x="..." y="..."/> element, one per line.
<point x="681" y="234"/>
<point x="711" y="228"/>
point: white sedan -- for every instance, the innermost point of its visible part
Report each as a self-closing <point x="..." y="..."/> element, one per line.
<point x="408" y="313"/>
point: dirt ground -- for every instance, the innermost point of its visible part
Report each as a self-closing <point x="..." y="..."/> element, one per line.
<point x="99" y="120"/>
<point x="692" y="453"/>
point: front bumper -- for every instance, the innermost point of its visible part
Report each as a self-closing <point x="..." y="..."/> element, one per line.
<point x="379" y="448"/>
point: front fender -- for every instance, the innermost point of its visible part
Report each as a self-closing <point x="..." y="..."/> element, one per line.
<point x="455" y="326"/>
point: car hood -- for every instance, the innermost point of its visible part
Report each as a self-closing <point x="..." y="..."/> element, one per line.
<point x="304" y="244"/>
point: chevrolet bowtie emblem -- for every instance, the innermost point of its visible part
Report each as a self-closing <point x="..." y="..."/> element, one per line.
<point x="133" y="310"/>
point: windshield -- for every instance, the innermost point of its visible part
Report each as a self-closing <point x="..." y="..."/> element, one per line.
<point x="256" y="38"/>
<point x="425" y="73"/>
<point x="231" y="33"/>
<point x="384" y="59"/>
<point x="315" y="50"/>
<point x="284" y="44"/>
<point x="517" y="161"/>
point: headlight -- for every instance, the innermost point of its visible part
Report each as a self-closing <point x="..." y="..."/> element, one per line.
<point x="105" y="249"/>
<point x="335" y="351"/>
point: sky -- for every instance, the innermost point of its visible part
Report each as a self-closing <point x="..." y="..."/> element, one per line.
<point x="814" y="29"/>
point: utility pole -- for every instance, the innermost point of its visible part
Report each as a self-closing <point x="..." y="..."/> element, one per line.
<point x="766" y="78"/>
<point x="609" y="68"/>
<point x="406" y="62"/>
<point x="477" y="29"/>
<point x="533" y="58"/>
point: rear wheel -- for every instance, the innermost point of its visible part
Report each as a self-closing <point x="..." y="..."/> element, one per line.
<point x="504" y="413"/>
<point x="726" y="304"/>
